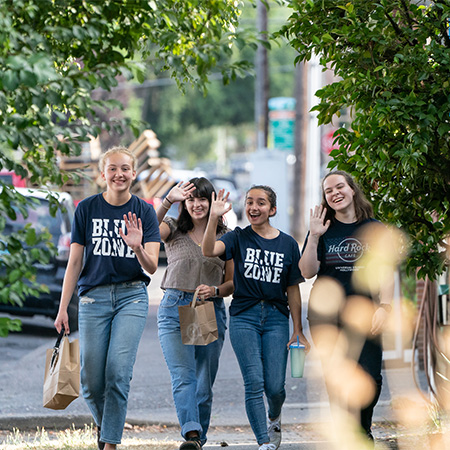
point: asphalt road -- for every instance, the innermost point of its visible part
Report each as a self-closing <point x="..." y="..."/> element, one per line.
<point x="28" y="347"/>
<point x="22" y="357"/>
<point x="150" y="373"/>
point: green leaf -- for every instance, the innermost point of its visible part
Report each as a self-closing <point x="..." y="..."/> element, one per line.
<point x="10" y="80"/>
<point x="31" y="237"/>
<point x="15" y="275"/>
<point x="28" y="78"/>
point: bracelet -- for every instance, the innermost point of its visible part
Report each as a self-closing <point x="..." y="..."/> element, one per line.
<point x="165" y="198"/>
<point x="164" y="206"/>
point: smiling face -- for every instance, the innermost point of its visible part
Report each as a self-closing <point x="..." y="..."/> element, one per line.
<point x="338" y="194"/>
<point x="197" y="207"/>
<point x="258" y="207"/>
<point x="118" y="172"/>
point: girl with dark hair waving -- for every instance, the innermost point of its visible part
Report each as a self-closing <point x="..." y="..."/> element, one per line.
<point x="192" y="368"/>
<point x="266" y="283"/>
<point x="334" y="250"/>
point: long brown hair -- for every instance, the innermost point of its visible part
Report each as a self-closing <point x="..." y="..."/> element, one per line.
<point x="363" y="208"/>
<point x="203" y="188"/>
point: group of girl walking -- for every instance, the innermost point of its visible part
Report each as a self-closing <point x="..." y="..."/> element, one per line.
<point x="115" y="243"/>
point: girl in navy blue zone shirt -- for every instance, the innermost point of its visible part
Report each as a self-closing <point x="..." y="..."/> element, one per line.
<point x="266" y="282"/>
<point x="334" y="248"/>
<point x="115" y="237"/>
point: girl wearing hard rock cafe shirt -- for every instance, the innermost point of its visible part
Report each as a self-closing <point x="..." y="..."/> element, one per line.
<point x="333" y="248"/>
<point x="115" y="237"/>
<point x="266" y="281"/>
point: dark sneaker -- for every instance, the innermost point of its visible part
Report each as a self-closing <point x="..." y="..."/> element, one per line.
<point x="100" y="444"/>
<point x="192" y="443"/>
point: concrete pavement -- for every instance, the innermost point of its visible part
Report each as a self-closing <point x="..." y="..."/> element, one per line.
<point x="150" y="400"/>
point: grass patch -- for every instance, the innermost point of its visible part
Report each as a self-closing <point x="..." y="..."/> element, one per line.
<point x="75" y="439"/>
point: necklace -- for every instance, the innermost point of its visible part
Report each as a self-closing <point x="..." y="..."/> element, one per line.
<point x="194" y="238"/>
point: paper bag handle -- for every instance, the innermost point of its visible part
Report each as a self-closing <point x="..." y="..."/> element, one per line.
<point x="56" y="346"/>
<point x="60" y="336"/>
<point x="194" y="299"/>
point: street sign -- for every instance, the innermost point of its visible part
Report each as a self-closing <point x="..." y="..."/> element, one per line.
<point x="281" y="123"/>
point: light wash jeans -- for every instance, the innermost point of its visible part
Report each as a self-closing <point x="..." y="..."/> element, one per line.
<point x="192" y="368"/>
<point x="259" y="336"/>
<point x="111" y="321"/>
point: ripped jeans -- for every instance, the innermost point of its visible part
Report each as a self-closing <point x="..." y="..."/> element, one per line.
<point x="111" y="321"/>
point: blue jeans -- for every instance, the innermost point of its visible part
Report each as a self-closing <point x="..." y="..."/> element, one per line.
<point x="192" y="368"/>
<point x="111" y="321"/>
<point x="259" y="336"/>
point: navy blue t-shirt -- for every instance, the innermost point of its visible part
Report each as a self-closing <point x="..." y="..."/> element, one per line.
<point x="263" y="268"/>
<point x="107" y="259"/>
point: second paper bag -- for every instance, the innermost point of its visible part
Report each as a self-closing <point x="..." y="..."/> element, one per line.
<point x="198" y="323"/>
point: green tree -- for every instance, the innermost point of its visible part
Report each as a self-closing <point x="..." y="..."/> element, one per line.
<point x="187" y="124"/>
<point x="392" y="63"/>
<point x="55" y="53"/>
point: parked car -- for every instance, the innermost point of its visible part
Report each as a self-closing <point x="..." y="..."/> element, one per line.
<point x="52" y="273"/>
<point x="8" y="177"/>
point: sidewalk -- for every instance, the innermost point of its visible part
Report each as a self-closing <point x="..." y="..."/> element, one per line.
<point x="151" y="404"/>
<point x="150" y="401"/>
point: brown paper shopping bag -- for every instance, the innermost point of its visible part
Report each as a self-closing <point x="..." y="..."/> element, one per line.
<point x="62" y="373"/>
<point x="198" y="322"/>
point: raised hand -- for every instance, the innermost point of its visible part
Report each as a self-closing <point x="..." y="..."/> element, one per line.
<point x="133" y="238"/>
<point x="219" y="205"/>
<point x="180" y="192"/>
<point x="317" y="224"/>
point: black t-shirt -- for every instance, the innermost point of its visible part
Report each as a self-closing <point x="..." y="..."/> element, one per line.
<point x="339" y="251"/>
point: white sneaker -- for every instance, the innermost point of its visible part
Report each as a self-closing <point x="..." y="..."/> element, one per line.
<point x="267" y="447"/>
<point x="274" y="432"/>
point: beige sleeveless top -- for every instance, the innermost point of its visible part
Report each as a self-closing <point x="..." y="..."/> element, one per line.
<point x="187" y="268"/>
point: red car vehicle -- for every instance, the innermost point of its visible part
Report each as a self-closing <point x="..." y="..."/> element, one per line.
<point x="7" y="177"/>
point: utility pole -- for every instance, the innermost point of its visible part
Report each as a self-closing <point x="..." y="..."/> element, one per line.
<point x="300" y="152"/>
<point x="261" y="81"/>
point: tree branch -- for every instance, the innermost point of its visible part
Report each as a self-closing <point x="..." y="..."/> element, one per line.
<point x="406" y="11"/>
<point x="424" y="222"/>
<point x="396" y="28"/>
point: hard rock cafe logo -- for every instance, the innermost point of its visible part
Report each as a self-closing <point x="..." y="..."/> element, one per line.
<point x="349" y="250"/>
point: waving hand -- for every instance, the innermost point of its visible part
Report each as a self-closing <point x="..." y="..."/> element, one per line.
<point x="220" y="205"/>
